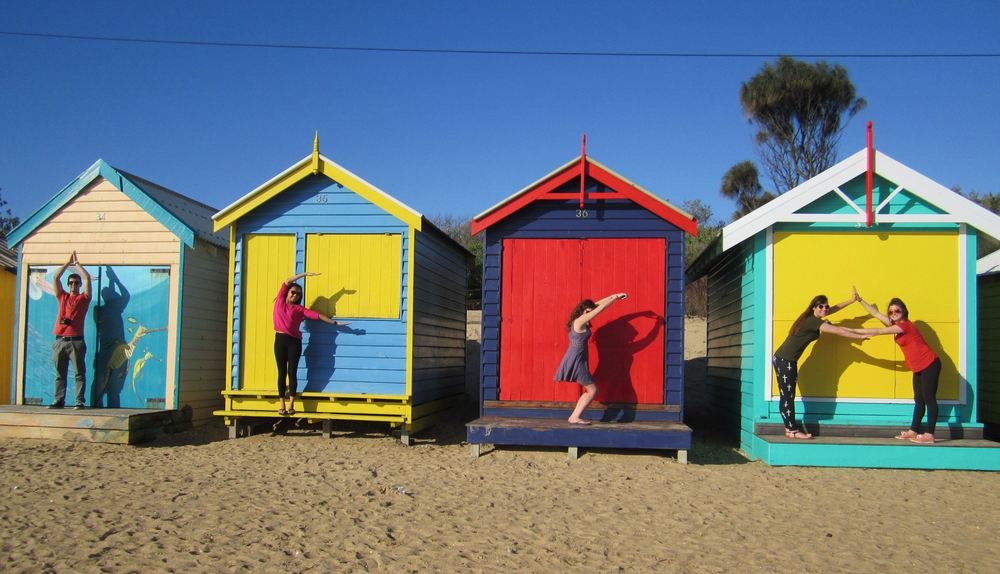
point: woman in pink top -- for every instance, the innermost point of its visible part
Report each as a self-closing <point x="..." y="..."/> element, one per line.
<point x="919" y="358"/>
<point x="288" y="315"/>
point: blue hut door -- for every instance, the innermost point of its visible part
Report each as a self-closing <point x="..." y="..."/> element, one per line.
<point x="125" y="333"/>
<point x="130" y="369"/>
<point x="39" y="373"/>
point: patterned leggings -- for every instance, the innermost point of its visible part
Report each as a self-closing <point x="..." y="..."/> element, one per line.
<point x="788" y="377"/>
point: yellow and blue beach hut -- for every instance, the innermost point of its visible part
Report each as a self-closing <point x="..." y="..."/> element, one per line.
<point x="907" y="237"/>
<point x="397" y="279"/>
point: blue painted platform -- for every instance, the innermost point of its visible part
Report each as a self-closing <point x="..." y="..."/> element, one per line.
<point x="656" y="435"/>
<point x="878" y="452"/>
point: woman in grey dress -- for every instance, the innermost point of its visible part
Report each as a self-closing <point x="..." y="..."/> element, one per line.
<point x="574" y="366"/>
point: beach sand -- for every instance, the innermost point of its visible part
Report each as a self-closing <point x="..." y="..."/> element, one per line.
<point x="196" y="502"/>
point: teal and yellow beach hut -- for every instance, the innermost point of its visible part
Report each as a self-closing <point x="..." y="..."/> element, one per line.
<point x="155" y="329"/>
<point x="901" y="235"/>
<point x="397" y="279"/>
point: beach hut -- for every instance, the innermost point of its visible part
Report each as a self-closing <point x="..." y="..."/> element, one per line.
<point x="872" y="222"/>
<point x="8" y="274"/>
<point x="397" y="279"/>
<point x="155" y="329"/>
<point x="582" y="231"/>
<point x="988" y="269"/>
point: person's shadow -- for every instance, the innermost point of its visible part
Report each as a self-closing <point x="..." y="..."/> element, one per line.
<point x="320" y="352"/>
<point x="617" y="343"/>
<point x="109" y="380"/>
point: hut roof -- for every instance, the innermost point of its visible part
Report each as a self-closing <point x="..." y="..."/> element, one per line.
<point x="951" y="206"/>
<point x="183" y="216"/>
<point x="544" y="189"/>
<point x="8" y="259"/>
<point x="313" y="164"/>
<point x="988" y="264"/>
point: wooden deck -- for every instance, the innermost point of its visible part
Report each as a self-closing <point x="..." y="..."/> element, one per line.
<point x="119" y="426"/>
<point x="657" y="435"/>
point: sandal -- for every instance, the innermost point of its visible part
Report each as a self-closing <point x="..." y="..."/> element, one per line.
<point x="282" y="412"/>
<point x="797" y="434"/>
<point x="906" y="435"/>
<point x="925" y="438"/>
<point x="291" y="412"/>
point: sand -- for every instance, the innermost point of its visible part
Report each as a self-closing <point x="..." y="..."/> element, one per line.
<point x="196" y="502"/>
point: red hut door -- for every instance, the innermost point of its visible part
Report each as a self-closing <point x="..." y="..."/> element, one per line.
<point x="543" y="279"/>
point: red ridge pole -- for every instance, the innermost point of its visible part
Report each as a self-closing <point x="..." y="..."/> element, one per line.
<point x="870" y="177"/>
<point x="583" y="168"/>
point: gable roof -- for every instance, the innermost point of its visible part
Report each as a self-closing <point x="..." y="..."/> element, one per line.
<point x="8" y="259"/>
<point x="951" y="207"/>
<point x="988" y="264"/>
<point x="184" y="217"/>
<point x="316" y="163"/>
<point x="544" y="189"/>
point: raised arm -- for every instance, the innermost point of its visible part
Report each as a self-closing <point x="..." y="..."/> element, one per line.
<point x="600" y="306"/>
<point x="869" y="331"/>
<point x="872" y="310"/>
<point x="295" y="278"/>
<point x="83" y="273"/>
<point x="839" y="306"/>
<point x="57" y="280"/>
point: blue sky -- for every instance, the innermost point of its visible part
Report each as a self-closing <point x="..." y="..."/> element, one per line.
<point x="457" y="133"/>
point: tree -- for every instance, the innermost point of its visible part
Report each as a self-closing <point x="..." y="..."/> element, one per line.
<point x="8" y="221"/>
<point x="696" y="293"/>
<point x="800" y="111"/>
<point x="742" y="184"/>
<point x="990" y="201"/>
<point x="460" y="230"/>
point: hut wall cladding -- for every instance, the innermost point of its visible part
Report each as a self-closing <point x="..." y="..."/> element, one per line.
<point x="989" y="349"/>
<point x="730" y="337"/>
<point x="606" y="219"/>
<point x="373" y="361"/>
<point x="8" y="281"/>
<point x="203" y="346"/>
<point x="439" y="319"/>
<point x="103" y="221"/>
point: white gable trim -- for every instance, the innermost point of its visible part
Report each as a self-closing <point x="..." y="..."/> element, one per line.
<point x="784" y="208"/>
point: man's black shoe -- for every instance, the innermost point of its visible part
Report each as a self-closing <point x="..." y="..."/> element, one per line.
<point x="56" y="406"/>
<point x="79" y="407"/>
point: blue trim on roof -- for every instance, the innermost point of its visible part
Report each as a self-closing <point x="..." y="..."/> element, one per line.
<point x="101" y="168"/>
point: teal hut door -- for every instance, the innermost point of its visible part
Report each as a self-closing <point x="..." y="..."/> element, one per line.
<point x="125" y="333"/>
<point x="130" y="369"/>
<point x="39" y="372"/>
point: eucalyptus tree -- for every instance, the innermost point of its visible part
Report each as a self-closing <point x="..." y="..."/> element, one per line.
<point x="800" y="111"/>
<point x="742" y="184"/>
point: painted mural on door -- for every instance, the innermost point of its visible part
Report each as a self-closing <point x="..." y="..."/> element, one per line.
<point x="125" y="333"/>
<point x="543" y="279"/>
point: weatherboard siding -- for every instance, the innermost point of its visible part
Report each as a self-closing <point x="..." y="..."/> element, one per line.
<point x="202" y="365"/>
<point x="439" y="319"/>
<point x="989" y="349"/>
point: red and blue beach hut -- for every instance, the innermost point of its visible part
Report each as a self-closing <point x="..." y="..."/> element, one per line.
<point x="583" y="231"/>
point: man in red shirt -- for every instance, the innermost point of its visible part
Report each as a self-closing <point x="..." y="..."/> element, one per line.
<point x="69" y="344"/>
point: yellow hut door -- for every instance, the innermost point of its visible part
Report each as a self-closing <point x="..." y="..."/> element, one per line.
<point x="267" y="261"/>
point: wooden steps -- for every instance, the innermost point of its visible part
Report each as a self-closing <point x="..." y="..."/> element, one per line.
<point x="111" y="425"/>
<point x="657" y="435"/>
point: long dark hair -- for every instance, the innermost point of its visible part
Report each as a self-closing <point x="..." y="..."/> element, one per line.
<point x="580" y="309"/>
<point x="817" y="300"/>
<point x="902" y="307"/>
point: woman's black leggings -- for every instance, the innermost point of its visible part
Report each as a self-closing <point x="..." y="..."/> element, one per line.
<point x="788" y="376"/>
<point x="925" y="384"/>
<point x="287" y="351"/>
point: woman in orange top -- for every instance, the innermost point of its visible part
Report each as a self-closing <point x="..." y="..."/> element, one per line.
<point x="919" y="358"/>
